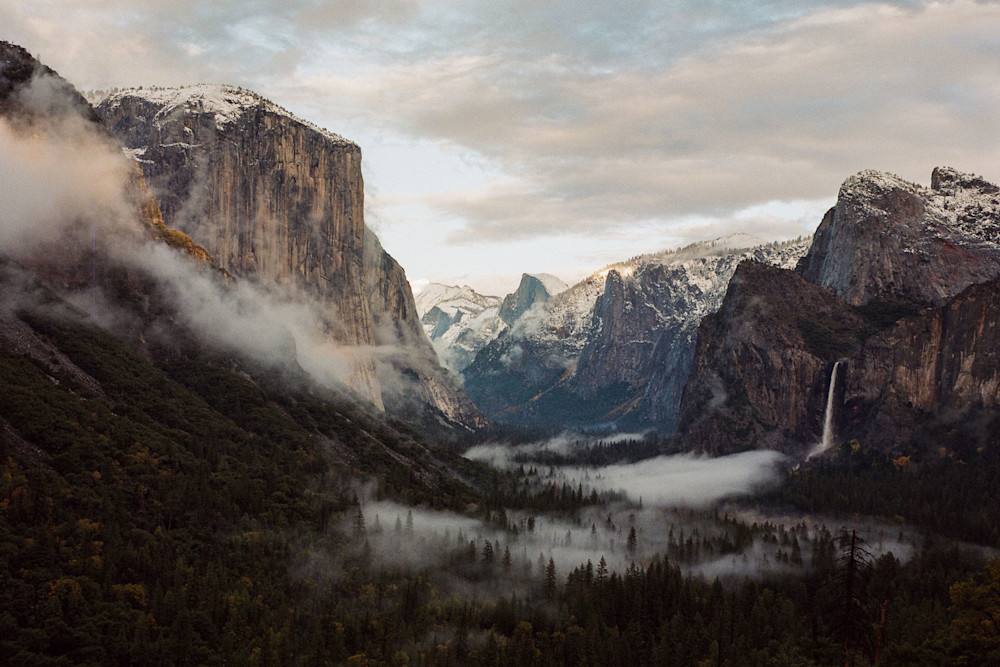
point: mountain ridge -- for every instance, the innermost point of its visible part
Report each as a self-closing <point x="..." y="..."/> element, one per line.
<point x="615" y="347"/>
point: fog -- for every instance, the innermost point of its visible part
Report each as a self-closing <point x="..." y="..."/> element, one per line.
<point x="682" y="480"/>
<point x="477" y="558"/>
<point x="69" y="196"/>
<point x="56" y="180"/>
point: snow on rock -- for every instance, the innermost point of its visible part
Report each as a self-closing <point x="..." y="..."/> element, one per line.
<point x="889" y="239"/>
<point x="618" y="343"/>
<point x="458" y="321"/>
<point x="226" y="104"/>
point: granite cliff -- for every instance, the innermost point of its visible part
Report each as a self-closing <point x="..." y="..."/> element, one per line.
<point x="890" y="239"/>
<point x="280" y="201"/>
<point x="900" y="286"/>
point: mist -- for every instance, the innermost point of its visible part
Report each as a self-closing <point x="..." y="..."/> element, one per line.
<point x="57" y="179"/>
<point x="681" y="480"/>
<point x="69" y="197"/>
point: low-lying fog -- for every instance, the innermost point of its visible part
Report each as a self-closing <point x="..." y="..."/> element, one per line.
<point x="683" y="508"/>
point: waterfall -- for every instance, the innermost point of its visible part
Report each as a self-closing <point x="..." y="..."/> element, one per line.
<point x="827" y="440"/>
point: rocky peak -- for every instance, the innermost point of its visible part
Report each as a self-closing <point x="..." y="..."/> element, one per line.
<point x="889" y="239"/>
<point x="30" y="90"/>
<point x="948" y="181"/>
<point x="220" y="104"/>
<point x="533" y="289"/>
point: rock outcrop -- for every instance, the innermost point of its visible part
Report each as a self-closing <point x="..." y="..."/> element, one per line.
<point x="271" y="197"/>
<point x="762" y="363"/>
<point x="890" y="239"/>
<point x="900" y="286"/>
<point x="411" y="379"/>
<point x="280" y="201"/>
<point x="532" y="290"/>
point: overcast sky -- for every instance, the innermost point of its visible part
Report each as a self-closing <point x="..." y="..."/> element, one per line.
<point x="516" y="136"/>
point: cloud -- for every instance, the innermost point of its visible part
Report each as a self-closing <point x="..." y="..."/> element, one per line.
<point x="684" y="480"/>
<point x="60" y="182"/>
<point x="66" y="193"/>
<point x="689" y="480"/>
<point x="659" y="124"/>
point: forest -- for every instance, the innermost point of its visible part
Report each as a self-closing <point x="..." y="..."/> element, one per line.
<point x="185" y="511"/>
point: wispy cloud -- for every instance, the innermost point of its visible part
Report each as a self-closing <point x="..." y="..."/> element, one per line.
<point x="583" y="117"/>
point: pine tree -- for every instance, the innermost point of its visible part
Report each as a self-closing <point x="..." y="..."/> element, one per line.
<point x="359" y="523"/>
<point x="488" y="554"/>
<point x="550" y="580"/>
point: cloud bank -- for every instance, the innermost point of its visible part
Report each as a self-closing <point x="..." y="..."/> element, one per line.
<point x="683" y="480"/>
<point x="582" y="127"/>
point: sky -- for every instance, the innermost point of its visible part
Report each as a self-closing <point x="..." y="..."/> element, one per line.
<point x="516" y="136"/>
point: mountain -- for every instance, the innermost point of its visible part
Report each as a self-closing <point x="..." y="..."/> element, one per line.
<point x="889" y="239"/>
<point x="280" y="201"/>
<point x="616" y="347"/>
<point x="533" y="289"/>
<point x="894" y="307"/>
<point x="458" y="321"/>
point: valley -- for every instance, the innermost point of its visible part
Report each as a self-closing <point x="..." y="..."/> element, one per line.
<point x="230" y="433"/>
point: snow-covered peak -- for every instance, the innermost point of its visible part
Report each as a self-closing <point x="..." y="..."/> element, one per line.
<point x="956" y="206"/>
<point x="552" y="284"/>
<point x="226" y="103"/>
<point x="450" y="298"/>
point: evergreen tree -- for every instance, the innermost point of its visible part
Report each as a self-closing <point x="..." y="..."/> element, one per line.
<point x="550" y="580"/>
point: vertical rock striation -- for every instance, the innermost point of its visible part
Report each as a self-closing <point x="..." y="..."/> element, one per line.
<point x="901" y="283"/>
<point x="280" y="201"/>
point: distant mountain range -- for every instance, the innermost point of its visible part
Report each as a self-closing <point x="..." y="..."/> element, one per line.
<point x="610" y="351"/>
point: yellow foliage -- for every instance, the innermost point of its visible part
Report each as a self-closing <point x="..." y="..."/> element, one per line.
<point x="133" y="593"/>
<point x="86" y="527"/>
<point x="976" y="601"/>
<point x="901" y="462"/>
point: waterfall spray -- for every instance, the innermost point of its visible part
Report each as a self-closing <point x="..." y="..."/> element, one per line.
<point x="827" y="441"/>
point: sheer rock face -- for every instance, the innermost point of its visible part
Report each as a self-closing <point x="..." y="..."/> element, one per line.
<point x="889" y="239"/>
<point x="281" y="201"/>
<point x="763" y="365"/>
<point x="408" y="368"/>
<point x="532" y="290"/>
<point x="907" y="297"/>
<point x="755" y="380"/>
<point x="943" y="363"/>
